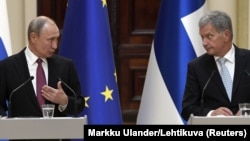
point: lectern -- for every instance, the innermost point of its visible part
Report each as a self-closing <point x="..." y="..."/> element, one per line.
<point x="42" y="128"/>
<point x="219" y="120"/>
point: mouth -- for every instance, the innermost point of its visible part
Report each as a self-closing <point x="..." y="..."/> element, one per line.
<point x="207" y="47"/>
<point x="51" y="53"/>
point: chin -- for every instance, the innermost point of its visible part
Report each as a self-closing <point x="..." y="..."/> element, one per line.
<point x="210" y="53"/>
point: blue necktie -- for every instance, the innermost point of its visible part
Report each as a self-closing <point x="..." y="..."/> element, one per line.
<point x="40" y="82"/>
<point x="226" y="78"/>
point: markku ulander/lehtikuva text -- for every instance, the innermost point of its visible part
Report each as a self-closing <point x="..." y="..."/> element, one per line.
<point x="161" y="132"/>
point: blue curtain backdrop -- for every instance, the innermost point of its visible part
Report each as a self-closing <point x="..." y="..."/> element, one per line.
<point x="176" y="42"/>
<point x="87" y="40"/>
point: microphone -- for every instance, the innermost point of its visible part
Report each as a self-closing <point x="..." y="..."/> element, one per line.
<point x="75" y="106"/>
<point x="13" y="92"/>
<point x="204" y="88"/>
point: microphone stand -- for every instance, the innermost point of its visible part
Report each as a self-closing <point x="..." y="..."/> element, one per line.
<point x="75" y="103"/>
<point x="13" y="92"/>
<point x="203" y="91"/>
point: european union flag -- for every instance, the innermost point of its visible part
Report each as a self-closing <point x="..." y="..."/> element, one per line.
<point x="86" y="39"/>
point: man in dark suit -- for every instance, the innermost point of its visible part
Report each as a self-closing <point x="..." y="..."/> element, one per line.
<point x="43" y="36"/>
<point x="205" y="93"/>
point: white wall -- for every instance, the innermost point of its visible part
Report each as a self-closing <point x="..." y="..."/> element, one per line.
<point x="20" y="13"/>
<point x="248" y="21"/>
<point x="228" y="6"/>
<point x="240" y="14"/>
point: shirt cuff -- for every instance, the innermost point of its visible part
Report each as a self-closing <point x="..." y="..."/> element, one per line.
<point x="61" y="108"/>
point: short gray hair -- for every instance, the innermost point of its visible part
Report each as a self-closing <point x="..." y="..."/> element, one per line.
<point x="37" y="24"/>
<point x="218" y="19"/>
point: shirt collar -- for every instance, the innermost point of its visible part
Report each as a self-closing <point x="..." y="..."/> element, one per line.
<point x="31" y="57"/>
<point x="229" y="55"/>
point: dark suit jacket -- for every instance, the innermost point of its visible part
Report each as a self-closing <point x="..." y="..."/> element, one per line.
<point x="14" y="71"/>
<point x="214" y="96"/>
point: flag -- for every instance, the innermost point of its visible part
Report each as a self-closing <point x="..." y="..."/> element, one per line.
<point x="5" y="44"/>
<point x="86" y="38"/>
<point x="176" y="42"/>
<point x="3" y="53"/>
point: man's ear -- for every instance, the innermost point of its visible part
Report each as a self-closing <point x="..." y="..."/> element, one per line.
<point x="33" y="37"/>
<point x="227" y="35"/>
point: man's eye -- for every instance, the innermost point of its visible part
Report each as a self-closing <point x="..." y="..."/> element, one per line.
<point x="209" y="36"/>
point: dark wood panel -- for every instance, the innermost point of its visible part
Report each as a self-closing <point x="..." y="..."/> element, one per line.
<point x="137" y="21"/>
<point x="144" y="16"/>
<point x="55" y="9"/>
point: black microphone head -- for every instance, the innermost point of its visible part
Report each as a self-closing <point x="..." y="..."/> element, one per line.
<point x="58" y="78"/>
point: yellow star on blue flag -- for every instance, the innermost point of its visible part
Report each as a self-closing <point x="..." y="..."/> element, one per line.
<point x="107" y="94"/>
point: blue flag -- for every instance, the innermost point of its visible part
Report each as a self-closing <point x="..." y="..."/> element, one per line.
<point x="176" y="42"/>
<point x="5" y="42"/>
<point x="3" y="53"/>
<point x="87" y="40"/>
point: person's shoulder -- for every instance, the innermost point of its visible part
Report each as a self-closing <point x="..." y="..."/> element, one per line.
<point x="201" y="58"/>
<point x="60" y="58"/>
<point x="242" y="51"/>
<point x="12" y="57"/>
<point x="57" y="56"/>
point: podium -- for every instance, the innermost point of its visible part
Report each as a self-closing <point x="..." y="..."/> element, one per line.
<point x="219" y="120"/>
<point x="42" y="128"/>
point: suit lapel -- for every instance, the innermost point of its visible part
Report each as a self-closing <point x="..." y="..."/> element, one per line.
<point x="210" y="67"/>
<point x="20" y="64"/>
<point x="52" y="72"/>
<point x="239" y="69"/>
